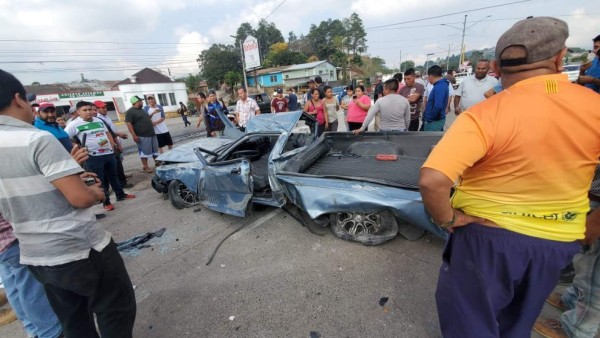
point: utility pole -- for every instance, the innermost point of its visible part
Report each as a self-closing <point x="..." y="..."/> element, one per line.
<point x="448" y="60"/>
<point x="243" y="64"/>
<point x="400" y="62"/>
<point x="462" y="44"/>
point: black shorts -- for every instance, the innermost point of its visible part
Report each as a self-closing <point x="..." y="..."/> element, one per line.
<point x="164" y="139"/>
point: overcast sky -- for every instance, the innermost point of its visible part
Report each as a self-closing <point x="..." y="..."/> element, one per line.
<point x="112" y="39"/>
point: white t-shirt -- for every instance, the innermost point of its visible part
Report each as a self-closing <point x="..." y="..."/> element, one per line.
<point x="96" y="132"/>
<point x="471" y="90"/>
<point x="160" y="128"/>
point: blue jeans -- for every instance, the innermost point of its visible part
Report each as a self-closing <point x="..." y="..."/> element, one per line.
<point x="434" y="125"/>
<point x="105" y="166"/>
<point x="27" y="296"/>
<point x="582" y="298"/>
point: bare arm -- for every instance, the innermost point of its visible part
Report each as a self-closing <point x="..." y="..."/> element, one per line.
<point x="414" y="97"/>
<point x="132" y="132"/>
<point x="457" y="105"/>
<point x="111" y="140"/>
<point x="77" y="193"/>
<point x="257" y="112"/>
<point x="407" y="116"/>
<point x="435" y="190"/>
<point x="491" y="92"/>
<point x="592" y="227"/>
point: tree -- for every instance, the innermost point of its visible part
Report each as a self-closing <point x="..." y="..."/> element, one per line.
<point x="35" y="83"/>
<point x="232" y="78"/>
<point x="323" y="37"/>
<point x="356" y="37"/>
<point x="242" y="33"/>
<point x="216" y="61"/>
<point x="280" y="55"/>
<point x="292" y="37"/>
<point x="407" y="64"/>
<point x="192" y="82"/>
<point x="267" y="35"/>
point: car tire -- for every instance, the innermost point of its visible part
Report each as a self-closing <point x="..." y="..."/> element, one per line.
<point x="365" y="228"/>
<point x="180" y="195"/>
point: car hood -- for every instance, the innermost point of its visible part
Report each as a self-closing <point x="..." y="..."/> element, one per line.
<point x="278" y="122"/>
<point x="185" y="152"/>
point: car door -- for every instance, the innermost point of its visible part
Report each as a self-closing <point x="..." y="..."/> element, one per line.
<point x="226" y="186"/>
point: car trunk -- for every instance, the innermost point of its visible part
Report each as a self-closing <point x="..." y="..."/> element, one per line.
<point x="343" y="155"/>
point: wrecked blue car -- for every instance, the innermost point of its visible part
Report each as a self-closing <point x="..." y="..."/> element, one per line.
<point x="337" y="181"/>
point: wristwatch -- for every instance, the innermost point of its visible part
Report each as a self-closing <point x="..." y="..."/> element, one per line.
<point x="448" y="224"/>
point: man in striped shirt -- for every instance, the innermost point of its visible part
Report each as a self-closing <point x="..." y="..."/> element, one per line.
<point x="61" y="242"/>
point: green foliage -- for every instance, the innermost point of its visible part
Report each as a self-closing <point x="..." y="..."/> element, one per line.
<point x="242" y="33"/>
<point x="232" y="78"/>
<point x="216" y="61"/>
<point x="192" y="82"/>
<point x="280" y="55"/>
<point x="322" y="38"/>
<point x="407" y="64"/>
<point x="356" y="37"/>
<point x="267" y="35"/>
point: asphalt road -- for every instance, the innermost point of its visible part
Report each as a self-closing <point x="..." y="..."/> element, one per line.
<point x="273" y="278"/>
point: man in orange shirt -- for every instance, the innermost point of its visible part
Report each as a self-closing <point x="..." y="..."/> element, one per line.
<point x="522" y="162"/>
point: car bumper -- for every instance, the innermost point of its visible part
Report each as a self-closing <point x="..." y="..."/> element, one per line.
<point x="158" y="185"/>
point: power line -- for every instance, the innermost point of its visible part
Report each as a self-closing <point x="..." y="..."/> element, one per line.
<point x="112" y="42"/>
<point x="273" y="11"/>
<point x="447" y="14"/>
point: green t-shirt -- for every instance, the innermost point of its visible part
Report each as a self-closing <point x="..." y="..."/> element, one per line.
<point x="142" y="124"/>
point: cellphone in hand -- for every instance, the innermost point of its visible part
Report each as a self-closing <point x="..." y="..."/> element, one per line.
<point x="353" y="97"/>
<point x="83" y="139"/>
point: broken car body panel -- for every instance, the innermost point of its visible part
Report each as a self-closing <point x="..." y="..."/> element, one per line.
<point x="320" y="196"/>
<point x="214" y="168"/>
<point x="226" y="186"/>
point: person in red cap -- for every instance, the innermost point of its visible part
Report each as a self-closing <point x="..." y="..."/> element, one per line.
<point x="103" y="116"/>
<point x="46" y="120"/>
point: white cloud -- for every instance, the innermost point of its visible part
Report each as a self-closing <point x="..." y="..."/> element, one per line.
<point x="191" y="44"/>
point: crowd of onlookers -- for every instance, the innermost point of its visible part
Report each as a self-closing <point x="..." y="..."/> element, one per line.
<point x="518" y="161"/>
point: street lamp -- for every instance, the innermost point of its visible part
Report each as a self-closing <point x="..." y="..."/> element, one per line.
<point x="427" y="61"/>
<point x="243" y="64"/>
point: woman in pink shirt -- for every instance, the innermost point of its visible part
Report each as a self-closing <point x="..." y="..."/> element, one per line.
<point x="358" y="108"/>
<point x="316" y="108"/>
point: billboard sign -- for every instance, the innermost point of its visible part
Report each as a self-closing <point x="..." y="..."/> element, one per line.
<point x="251" y="53"/>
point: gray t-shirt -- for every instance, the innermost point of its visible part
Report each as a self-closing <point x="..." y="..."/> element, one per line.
<point x="50" y="230"/>
<point x="394" y="110"/>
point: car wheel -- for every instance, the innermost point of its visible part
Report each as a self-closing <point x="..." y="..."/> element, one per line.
<point x="181" y="197"/>
<point x="366" y="228"/>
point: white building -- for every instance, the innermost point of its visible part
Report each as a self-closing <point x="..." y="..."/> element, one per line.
<point x="148" y="82"/>
<point x="114" y="94"/>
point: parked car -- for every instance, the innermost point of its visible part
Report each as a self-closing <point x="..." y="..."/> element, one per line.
<point x="263" y="101"/>
<point x="572" y="72"/>
<point x="334" y="182"/>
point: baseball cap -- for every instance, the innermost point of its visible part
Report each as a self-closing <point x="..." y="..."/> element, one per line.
<point x="135" y="99"/>
<point x="72" y="110"/>
<point x="542" y="37"/>
<point x="279" y="90"/>
<point x="99" y="104"/>
<point x="46" y="105"/>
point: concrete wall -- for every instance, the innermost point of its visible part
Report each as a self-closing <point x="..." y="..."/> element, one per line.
<point x="144" y="90"/>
